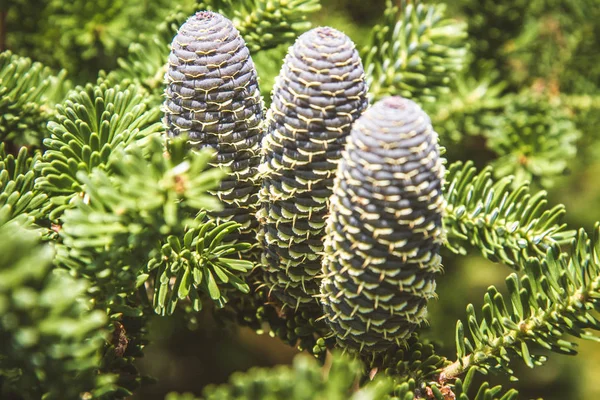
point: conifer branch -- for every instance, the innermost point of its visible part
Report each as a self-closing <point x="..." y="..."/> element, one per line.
<point x="534" y="140"/>
<point x="414" y="55"/>
<point x="196" y="265"/>
<point x="145" y="62"/>
<point x="339" y="380"/>
<point x="92" y="124"/>
<point x="18" y="197"/>
<point x="554" y="297"/>
<point x="305" y="380"/>
<point x="507" y="225"/>
<point x="29" y="93"/>
<point x="50" y="339"/>
<point x="146" y="219"/>
<point x="470" y="105"/>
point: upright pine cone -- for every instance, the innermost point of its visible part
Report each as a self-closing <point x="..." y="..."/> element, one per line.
<point x="319" y="93"/>
<point x="212" y="95"/>
<point x="385" y="228"/>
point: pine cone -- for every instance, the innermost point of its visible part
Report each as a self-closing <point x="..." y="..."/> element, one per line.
<point x="319" y="93"/>
<point x="385" y="228"/>
<point x="213" y="96"/>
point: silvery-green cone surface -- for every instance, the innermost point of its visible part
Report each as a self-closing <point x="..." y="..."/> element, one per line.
<point x="318" y="94"/>
<point x="212" y="95"/>
<point x="385" y="228"/>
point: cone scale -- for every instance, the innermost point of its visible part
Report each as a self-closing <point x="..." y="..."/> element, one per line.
<point x="212" y="95"/>
<point x="317" y="96"/>
<point x="385" y="228"/>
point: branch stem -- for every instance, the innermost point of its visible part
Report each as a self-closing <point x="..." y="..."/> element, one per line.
<point x="513" y="337"/>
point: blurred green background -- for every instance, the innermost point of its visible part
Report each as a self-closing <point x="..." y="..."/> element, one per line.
<point x="553" y="47"/>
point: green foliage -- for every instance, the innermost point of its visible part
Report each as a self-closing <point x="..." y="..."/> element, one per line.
<point x="50" y="339"/>
<point x="414" y="53"/>
<point x="91" y="126"/>
<point x="416" y="359"/>
<point x="585" y="112"/>
<point x="303" y="381"/>
<point x="552" y="45"/>
<point x="127" y="213"/>
<point x="18" y="198"/>
<point x="492" y="24"/>
<point x="145" y="61"/>
<point x="123" y="214"/>
<point x="265" y="24"/>
<point x="555" y="297"/>
<point x="469" y="106"/>
<point x="198" y="264"/>
<point x="81" y="36"/>
<point x="484" y="392"/>
<point x="28" y="95"/>
<point x="507" y="225"/>
<point x="306" y="380"/>
<point x="534" y="140"/>
<point x="128" y="210"/>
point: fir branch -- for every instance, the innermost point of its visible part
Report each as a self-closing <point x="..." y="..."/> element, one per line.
<point x="415" y="54"/>
<point x="123" y="215"/>
<point x="492" y="24"/>
<point x="507" y="225"/>
<point x="140" y="222"/>
<point x="50" y="340"/>
<point x="534" y="140"/>
<point x="554" y="297"/>
<point x="414" y="371"/>
<point x="200" y="263"/>
<point x="468" y="108"/>
<point x="339" y="380"/>
<point x="304" y="381"/>
<point x="28" y="96"/>
<point x="18" y="198"/>
<point x="92" y="125"/>
<point x="461" y="388"/>
<point x="84" y="36"/>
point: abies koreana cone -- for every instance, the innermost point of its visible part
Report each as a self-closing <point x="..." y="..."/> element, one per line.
<point x="384" y="231"/>
<point x="318" y="94"/>
<point x="212" y="95"/>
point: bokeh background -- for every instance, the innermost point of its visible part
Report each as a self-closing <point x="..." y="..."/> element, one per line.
<point x="554" y="46"/>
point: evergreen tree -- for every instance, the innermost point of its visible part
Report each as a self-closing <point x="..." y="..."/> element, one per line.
<point x="146" y="171"/>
